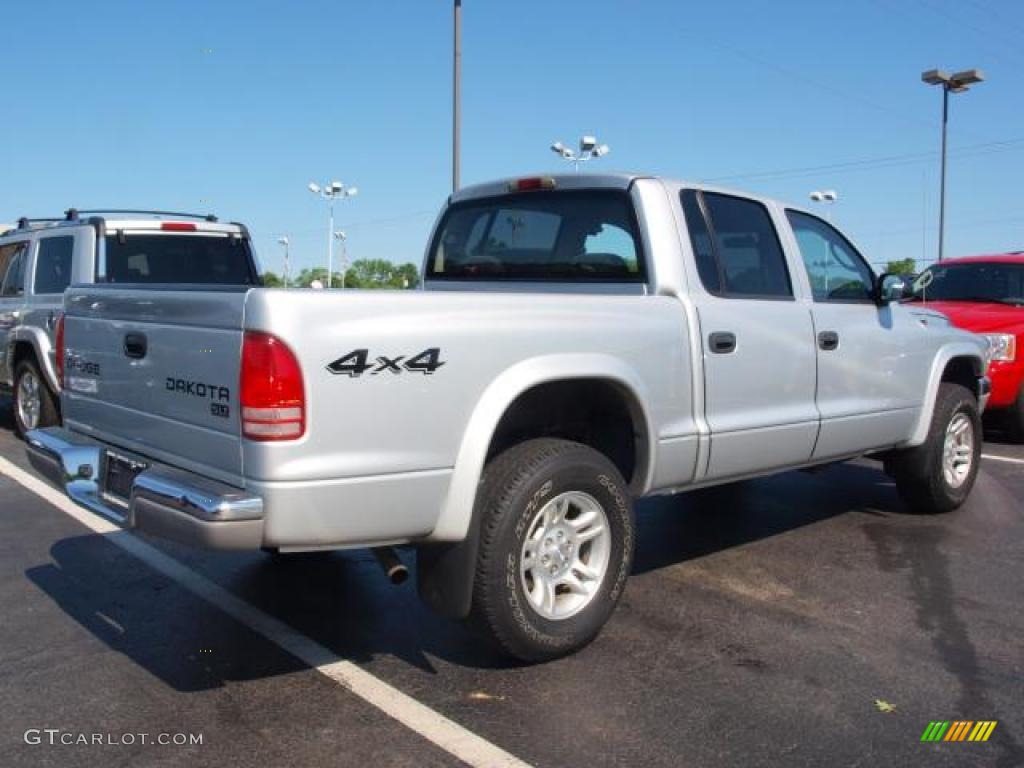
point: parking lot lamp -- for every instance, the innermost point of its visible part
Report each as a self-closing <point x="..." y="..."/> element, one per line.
<point x="958" y="82"/>
<point x="341" y="237"/>
<point x="284" y="241"/>
<point x="589" y="150"/>
<point x="828" y="197"/>
<point x="330" y="193"/>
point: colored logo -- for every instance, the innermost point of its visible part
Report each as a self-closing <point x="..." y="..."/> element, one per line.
<point x="959" y="730"/>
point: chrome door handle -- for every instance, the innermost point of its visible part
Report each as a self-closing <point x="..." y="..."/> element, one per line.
<point x="828" y="341"/>
<point x="722" y="342"/>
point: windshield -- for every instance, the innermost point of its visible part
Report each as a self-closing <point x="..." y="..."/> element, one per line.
<point x="179" y="259"/>
<point x="984" y="281"/>
<point x="585" y="235"/>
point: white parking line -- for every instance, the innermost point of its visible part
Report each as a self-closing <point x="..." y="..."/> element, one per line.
<point x="446" y="734"/>
<point x="1007" y="459"/>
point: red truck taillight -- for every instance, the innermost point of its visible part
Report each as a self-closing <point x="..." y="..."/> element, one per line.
<point x="58" y="356"/>
<point x="272" y="395"/>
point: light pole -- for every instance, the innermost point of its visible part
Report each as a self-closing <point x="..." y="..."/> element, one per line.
<point x="589" y="149"/>
<point x="330" y="192"/>
<point x="828" y="197"/>
<point x="341" y="237"/>
<point x="958" y="82"/>
<point x="284" y="241"/>
<point x="456" y="92"/>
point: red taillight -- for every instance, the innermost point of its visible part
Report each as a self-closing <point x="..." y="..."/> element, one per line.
<point x="58" y="357"/>
<point x="272" y="396"/>
<point x="177" y="226"/>
<point x="529" y="185"/>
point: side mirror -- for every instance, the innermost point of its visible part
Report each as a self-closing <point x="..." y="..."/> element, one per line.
<point x="889" y="288"/>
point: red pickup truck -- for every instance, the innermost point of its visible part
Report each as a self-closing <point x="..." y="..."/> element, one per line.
<point x="985" y="295"/>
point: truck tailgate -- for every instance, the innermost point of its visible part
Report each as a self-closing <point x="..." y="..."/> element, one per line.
<point x="156" y="372"/>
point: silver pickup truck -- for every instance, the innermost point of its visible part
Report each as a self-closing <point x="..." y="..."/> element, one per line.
<point x="580" y="342"/>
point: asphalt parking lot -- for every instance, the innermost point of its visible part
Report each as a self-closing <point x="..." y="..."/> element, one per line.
<point x="765" y="624"/>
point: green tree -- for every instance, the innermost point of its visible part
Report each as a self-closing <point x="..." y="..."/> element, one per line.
<point x="272" y="280"/>
<point x="901" y="267"/>
<point x="364" y="274"/>
<point x="381" y="273"/>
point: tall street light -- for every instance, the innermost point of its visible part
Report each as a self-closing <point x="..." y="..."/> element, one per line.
<point x="456" y="92"/>
<point x="589" y="149"/>
<point x="284" y="241"/>
<point x="330" y="193"/>
<point x="341" y="237"/>
<point x="828" y="197"/>
<point x="955" y="83"/>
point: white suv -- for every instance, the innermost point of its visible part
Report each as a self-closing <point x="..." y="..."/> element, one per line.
<point x="39" y="258"/>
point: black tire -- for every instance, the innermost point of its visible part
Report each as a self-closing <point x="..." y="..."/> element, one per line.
<point x="514" y="490"/>
<point x="919" y="472"/>
<point x="49" y="413"/>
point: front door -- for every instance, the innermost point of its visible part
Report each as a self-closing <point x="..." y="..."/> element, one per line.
<point x="758" y="350"/>
<point x="871" y="373"/>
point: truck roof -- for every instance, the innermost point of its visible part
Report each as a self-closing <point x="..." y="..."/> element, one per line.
<point x="1013" y="257"/>
<point x="611" y="180"/>
<point x="135" y="220"/>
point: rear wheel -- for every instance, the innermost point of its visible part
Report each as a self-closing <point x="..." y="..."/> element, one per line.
<point x="35" y="405"/>
<point x="556" y="548"/>
<point x="938" y="475"/>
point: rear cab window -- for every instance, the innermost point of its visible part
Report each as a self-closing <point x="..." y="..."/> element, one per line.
<point x="153" y="257"/>
<point x="567" y="236"/>
<point x="736" y="248"/>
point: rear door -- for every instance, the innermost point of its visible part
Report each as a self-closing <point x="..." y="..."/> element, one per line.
<point x="153" y="349"/>
<point x="49" y="274"/>
<point x="758" y="351"/>
<point x="12" y="295"/>
<point x="873" y="362"/>
<point x="156" y="372"/>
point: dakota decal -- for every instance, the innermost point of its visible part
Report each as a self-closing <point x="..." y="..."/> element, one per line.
<point x="198" y="389"/>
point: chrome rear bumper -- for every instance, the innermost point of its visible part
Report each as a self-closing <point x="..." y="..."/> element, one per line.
<point x="164" y="501"/>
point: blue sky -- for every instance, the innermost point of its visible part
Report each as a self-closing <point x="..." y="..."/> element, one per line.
<point x="117" y="104"/>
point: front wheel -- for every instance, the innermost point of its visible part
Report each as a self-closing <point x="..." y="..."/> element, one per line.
<point x="556" y="548"/>
<point x="35" y="405"/>
<point x="937" y="476"/>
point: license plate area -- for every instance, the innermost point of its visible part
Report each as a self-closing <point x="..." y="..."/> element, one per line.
<point x="118" y="475"/>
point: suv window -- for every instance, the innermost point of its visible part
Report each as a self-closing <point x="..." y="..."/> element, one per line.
<point x="178" y="259"/>
<point x="540" y="235"/>
<point x="53" y="264"/>
<point x="836" y="271"/>
<point x="736" y="247"/>
<point x="14" y="279"/>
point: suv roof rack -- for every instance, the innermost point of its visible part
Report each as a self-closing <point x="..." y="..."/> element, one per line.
<point x="71" y="214"/>
<point x="27" y="221"/>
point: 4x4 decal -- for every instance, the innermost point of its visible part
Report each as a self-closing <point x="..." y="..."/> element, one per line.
<point x="355" y="363"/>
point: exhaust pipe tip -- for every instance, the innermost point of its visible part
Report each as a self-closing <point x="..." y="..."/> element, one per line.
<point x="394" y="569"/>
<point x="398" y="575"/>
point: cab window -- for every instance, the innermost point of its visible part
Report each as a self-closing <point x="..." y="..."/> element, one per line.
<point x="14" y="279"/>
<point x="838" y="273"/>
<point x="53" y="264"/>
<point x="736" y="247"/>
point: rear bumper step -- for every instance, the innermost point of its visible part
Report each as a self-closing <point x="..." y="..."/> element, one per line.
<point x="164" y="501"/>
